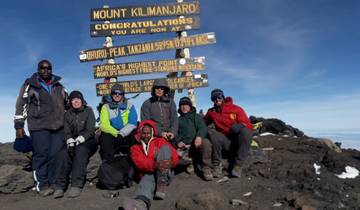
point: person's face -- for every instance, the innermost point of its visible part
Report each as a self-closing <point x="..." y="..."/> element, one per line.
<point x="185" y="108"/>
<point x="45" y="71"/>
<point x="145" y="134"/>
<point x="117" y="96"/>
<point x="218" y="101"/>
<point x="159" y="91"/>
<point x="76" y="103"/>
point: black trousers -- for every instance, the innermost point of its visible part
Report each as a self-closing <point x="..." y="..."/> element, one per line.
<point x="74" y="163"/>
<point x="236" y="145"/>
<point x="110" y="145"/>
<point x="202" y="154"/>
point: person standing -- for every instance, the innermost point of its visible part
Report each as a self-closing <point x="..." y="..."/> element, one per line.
<point x="118" y="121"/>
<point x="161" y="109"/>
<point x="79" y="132"/>
<point x="192" y="133"/>
<point x="232" y="132"/>
<point x="41" y="101"/>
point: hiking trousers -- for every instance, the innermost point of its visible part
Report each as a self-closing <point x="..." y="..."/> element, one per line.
<point x="110" y="145"/>
<point x="236" y="144"/>
<point x="74" y="164"/>
<point x="45" y="143"/>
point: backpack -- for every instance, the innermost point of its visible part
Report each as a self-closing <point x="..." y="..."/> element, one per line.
<point x="115" y="174"/>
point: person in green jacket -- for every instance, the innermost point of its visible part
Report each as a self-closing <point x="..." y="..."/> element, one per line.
<point x="118" y="121"/>
<point x="191" y="138"/>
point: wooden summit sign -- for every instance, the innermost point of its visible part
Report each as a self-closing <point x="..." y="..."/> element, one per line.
<point x="139" y="86"/>
<point x="147" y="47"/>
<point x="148" y="67"/>
<point x="144" y="27"/>
<point x="171" y="9"/>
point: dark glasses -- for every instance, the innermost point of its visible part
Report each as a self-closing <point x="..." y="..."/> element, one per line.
<point x="159" y="87"/>
<point x="45" y="67"/>
<point x="216" y="98"/>
<point x="118" y="93"/>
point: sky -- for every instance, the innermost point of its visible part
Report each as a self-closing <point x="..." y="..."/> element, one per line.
<point x="297" y="61"/>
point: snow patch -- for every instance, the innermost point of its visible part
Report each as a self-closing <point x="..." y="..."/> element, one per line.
<point x="350" y="173"/>
<point x="267" y="134"/>
<point x="317" y="169"/>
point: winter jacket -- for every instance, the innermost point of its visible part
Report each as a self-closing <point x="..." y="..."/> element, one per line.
<point x="79" y="122"/>
<point x="42" y="105"/>
<point x="191" y="125"/>
<point x="226" y="116"/>
<point x="162" y="110"/>
<point x="118" y="118"/>
<point x="143" y="155"/>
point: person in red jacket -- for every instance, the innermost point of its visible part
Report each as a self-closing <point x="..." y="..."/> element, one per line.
<point x="154" y="157"/>
<point x="231" y="131"/>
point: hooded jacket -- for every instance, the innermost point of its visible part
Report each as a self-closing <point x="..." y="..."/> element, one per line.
<point x="79" y="122"/>
<point x="43" y="108"/>
<point x="226" y="116"/>
<point x="191" y="125"/>
<point x="144" y="155"/>
<point x="162" y="110"/>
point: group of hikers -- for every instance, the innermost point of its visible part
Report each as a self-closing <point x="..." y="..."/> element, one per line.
<point x="62" y="131"/>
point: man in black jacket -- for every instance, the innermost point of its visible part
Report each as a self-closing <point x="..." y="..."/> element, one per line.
<point x="81" y="145"/>
<point x="41" y="102"/>
<point x="161" y="109"/>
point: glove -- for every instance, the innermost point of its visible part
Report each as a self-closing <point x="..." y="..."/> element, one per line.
<point x="79" y="140"/>
<point x="236" y="128"/>
<point x="70" y="142"/>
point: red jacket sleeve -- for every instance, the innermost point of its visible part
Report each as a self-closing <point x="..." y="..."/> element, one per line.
<point x="242" y="117"/>
<point x="141" y="161"/>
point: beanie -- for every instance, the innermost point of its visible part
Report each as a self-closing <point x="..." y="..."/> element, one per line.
<point x="216" y="93"/>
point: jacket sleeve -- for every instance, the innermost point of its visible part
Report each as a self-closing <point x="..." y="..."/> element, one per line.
<point x="242" y="117"/>
<point x="20" y="108"/>
<point x="105" y="125"/>
<point x="67" y="129"/>
<point x="145" y="111"/>
<point x="132" y="122"/>
<point x="173" y="118"/>
<point x="89" y="131"/>
<point x="141" y="161"/>
<point x="200" y="126"/>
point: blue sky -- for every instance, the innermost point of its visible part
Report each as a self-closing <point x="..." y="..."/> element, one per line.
<point x="293" y="60"/>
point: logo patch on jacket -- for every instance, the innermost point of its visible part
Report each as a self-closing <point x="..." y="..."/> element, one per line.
<point x="232" y="116"/>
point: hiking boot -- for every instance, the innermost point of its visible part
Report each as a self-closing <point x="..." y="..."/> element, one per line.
<point x="134" y="204"/>
<point x="74" y="192"/>
<point x="59" y="193"/>
<point x="208" y="176"/>
<point x="160" y="190"/>
<point x="235" y="171"/>
<point x="46" y="192"/>
<point x="217" y="172"/>
<point x="190" y="169"/>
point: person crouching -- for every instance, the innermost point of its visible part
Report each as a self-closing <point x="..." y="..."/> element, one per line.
<point x="154" y="157"/>
<point x="79" y="131"/>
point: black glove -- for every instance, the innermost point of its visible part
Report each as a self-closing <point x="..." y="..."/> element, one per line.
<point x="236" y="128"/>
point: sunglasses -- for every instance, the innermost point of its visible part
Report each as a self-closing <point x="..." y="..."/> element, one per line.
<point x="217" y="98"/>
<point x="117" y="93"/>
<point x="160" y="87"/>
<point x="45" y="67"/>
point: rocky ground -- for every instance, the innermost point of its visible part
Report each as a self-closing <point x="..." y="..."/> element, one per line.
<point x="280" y="174"/>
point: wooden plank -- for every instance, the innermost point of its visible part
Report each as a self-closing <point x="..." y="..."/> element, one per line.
<point x="147" y="47"/>
<point x="169" y="9"/>
<point x="144" y="27"/>
<point x="149" y="67"/>
<point x="139" y="86"/>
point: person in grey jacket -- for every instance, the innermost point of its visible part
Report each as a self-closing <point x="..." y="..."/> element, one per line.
<point x="161" y="109"/>
<point x="41" y="101"/>
<point x="81" y="145"/>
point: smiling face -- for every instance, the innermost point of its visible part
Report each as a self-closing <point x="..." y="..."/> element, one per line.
<point x="159" y="91"/>
<point x="117" y="96"/>
<point x="185" y="108"/>
<point x="218" y="101"/>
<point x="76" y="103"/>
<point x="146" y="133"/>
<point x="45" y="71"/>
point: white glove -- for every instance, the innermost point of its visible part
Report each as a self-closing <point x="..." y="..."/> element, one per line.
<point x="79" y="140"/>
<point x="70" y="142"/>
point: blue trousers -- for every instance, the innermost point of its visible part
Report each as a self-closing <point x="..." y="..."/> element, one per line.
<point x="46" y="144"/>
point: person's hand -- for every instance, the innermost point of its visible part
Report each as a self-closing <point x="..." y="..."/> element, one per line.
<point x="79" y="140"/>
<point x="70" y="142"/>
<point x="164" y="135"/>
<point x="170" y="135"/>
<point x="20" y="133"/>
<point x="181" y="144"/>
<point x="198" y="141"/>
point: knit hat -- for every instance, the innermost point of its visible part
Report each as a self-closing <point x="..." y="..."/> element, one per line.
<point x="185" y="101"/>
<point x="117" y="88"/>
<point x="216" y="93"/>
<point x="76" y="94"/>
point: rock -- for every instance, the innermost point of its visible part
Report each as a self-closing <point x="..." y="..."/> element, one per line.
<point x="306" y="207"/>
<point x="207" y="200"/>
<point x="330" y="144"/>
<point x="238" y="202"/>
<point x="13" y="179"/>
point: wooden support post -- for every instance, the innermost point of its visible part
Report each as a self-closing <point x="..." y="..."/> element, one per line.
<point x="109" y="43"/>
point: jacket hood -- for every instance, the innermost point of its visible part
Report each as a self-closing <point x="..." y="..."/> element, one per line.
<point x="146" y="122"/>
<point x="77" y="94"/>
<point x="34" y="80"/>
<point x="160" y="83"/>
<point x="228" y="100"/>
